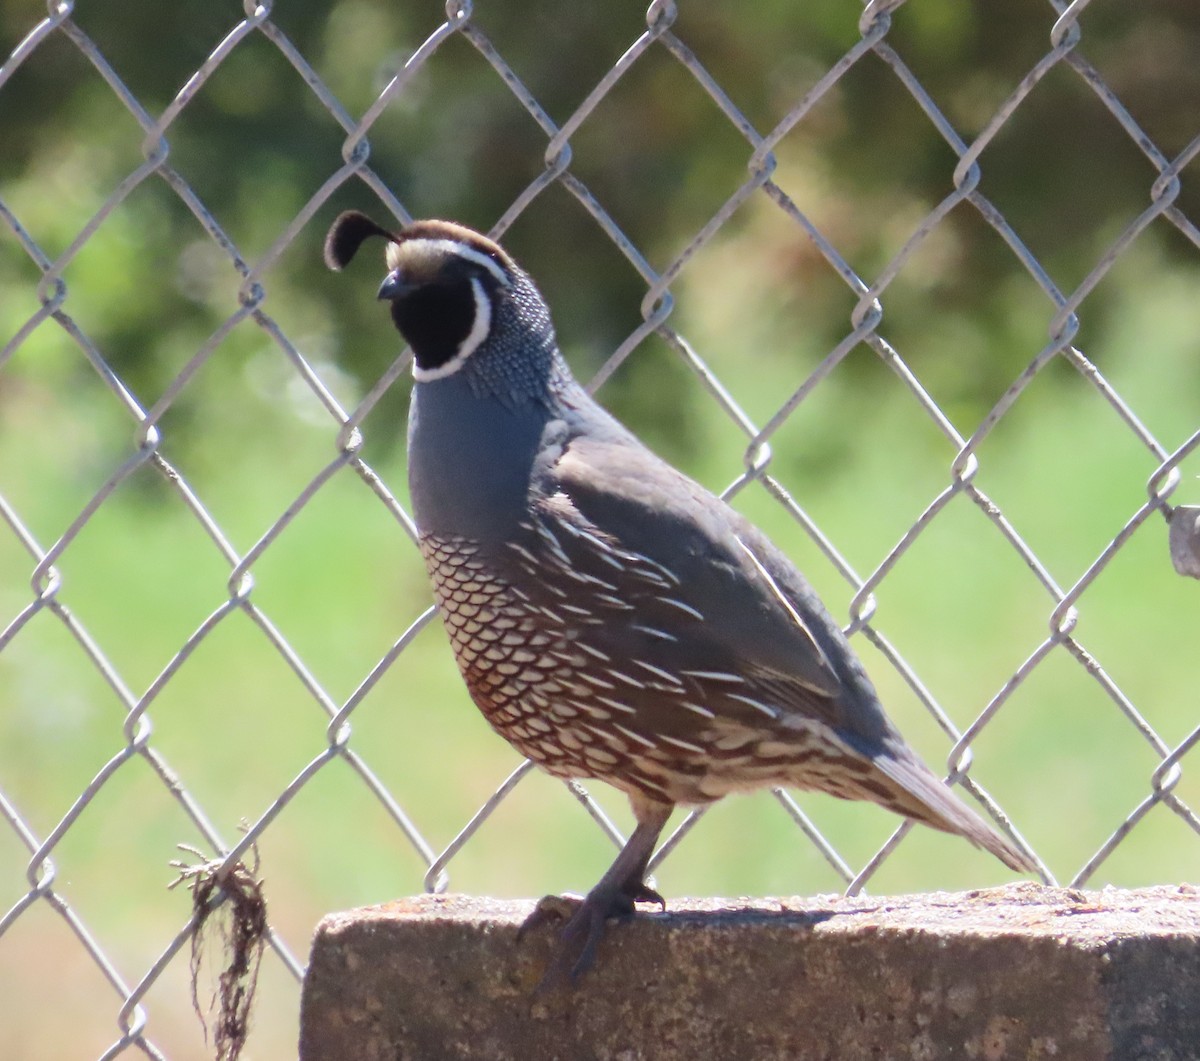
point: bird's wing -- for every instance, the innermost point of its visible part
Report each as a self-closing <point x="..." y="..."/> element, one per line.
<point x="695" y="570"/>
<point x="648" y="549"/>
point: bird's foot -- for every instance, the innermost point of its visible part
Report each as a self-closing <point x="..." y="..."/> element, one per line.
<point x="585" y="920"/>
<point x="550" y="909"/>
<point x="641" y="892"/>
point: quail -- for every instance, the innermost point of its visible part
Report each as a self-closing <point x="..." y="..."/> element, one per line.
<point x="611" y="618"/>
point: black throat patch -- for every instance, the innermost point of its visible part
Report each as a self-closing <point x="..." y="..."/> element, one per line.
<point x="435" y="320"/>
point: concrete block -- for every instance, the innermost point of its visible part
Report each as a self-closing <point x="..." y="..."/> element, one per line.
<point x="1022" y="971"/>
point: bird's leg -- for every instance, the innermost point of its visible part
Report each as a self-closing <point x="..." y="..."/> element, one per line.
<point x="614" y="896"/>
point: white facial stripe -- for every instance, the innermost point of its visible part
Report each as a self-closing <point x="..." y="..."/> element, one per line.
<point x="397" y="252"/>
<point x="478" y="333"/>
<point x="479" y="258"/>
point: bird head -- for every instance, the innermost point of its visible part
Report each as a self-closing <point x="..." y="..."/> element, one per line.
<point x="451" y="289"/>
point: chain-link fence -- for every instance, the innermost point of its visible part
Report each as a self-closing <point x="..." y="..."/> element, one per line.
<point x="135" y="669"/>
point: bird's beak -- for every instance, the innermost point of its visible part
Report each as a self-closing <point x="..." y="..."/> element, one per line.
<point x="393" y="286"/>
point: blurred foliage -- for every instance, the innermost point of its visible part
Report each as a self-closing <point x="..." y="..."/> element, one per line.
<point x="866" y="165"/>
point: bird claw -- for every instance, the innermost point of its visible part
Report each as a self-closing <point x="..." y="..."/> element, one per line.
<point x="643" y="893"/>
<point x="580" y="939"/>
<point x="585" y="920"/>
<point x="550" y="909"/>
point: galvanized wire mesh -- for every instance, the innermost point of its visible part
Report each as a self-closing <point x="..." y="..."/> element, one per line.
<point x="132" y="989"/>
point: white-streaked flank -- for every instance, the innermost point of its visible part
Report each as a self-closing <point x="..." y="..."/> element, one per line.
<point x="797" y="618"/>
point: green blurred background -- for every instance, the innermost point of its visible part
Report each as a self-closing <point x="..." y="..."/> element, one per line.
<point x="758" y="304"/>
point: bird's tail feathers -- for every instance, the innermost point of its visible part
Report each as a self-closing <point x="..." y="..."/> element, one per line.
<point x="916" y="792"/>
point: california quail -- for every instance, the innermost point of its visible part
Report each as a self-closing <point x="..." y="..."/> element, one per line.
<point x="611" y="618"/>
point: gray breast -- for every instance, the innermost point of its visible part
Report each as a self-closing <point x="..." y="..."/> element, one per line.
<point x="470" y="459"/>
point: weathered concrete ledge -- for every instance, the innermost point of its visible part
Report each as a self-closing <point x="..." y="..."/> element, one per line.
<point x="1016" y="972"/>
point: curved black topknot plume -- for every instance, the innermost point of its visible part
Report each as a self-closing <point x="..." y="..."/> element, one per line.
<point x="346" y="235"/>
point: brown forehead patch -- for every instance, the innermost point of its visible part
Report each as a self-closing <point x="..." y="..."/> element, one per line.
<point x="422" y="251"/>
<point x="450" y="230"/>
